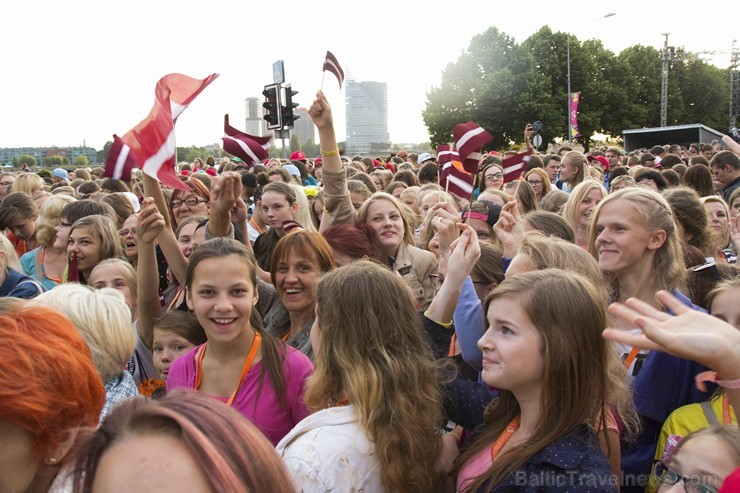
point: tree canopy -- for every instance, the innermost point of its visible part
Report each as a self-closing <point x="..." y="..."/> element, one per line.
<point x="502" y="86"/>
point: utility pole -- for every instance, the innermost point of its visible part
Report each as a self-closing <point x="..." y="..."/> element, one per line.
<point x="734" y="85"/>
<point x="669" y="55"/>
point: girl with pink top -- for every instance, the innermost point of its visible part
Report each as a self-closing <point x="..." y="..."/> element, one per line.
<point x="240" y="364"/>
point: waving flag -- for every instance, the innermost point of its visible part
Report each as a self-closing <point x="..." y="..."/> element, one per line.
<point x="469" y="138"/>
<point x="456" y="180"/>
<point x="574" y="98"/>
<point x="248" y="148"/>
<point x="515" y="165"/>
<point x="332" y="65"/>
<point x="120" y="161"/>
<point x="152" y="141"/>
<point x="446" y="153"/>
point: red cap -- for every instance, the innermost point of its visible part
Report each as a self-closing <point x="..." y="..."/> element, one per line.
<point x="604" y="161"/>
<point x="318" y="162"/>
<point x="298" y="156"/>
<point x="211" y="171"/>
<point x="390" y="166"/>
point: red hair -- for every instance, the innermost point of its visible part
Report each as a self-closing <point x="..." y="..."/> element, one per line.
<point x="196" y="186"/>
<point x="48" y="381"/>
<point x="355" y="240"/>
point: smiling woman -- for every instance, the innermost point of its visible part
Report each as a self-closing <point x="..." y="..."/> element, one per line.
<point x="299" y="261"/>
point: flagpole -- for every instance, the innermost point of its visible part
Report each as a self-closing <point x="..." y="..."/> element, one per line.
<point x="323" y="74"/>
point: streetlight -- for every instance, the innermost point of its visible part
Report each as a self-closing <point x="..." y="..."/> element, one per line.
<point x="570" y="102"/>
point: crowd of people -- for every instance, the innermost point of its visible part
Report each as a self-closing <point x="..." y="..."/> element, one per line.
<point x="348" y="324"/>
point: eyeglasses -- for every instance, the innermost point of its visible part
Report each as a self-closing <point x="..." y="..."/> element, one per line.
<point x="693" y="484"/>
<point x="534" y="183"/>
<point x="6" y="184"/>
<point x="190" y="202"/>
<point x="496" y="176"/>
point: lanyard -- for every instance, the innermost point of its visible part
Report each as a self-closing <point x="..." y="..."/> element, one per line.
<point x="630" y="358"/>
<point x="179" y="291"/>
<point x="504" y="437"/>
<point x="245" y="369"/>
<point x="726" y="417"/>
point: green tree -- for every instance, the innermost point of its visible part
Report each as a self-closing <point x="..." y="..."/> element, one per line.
<point x="704" y="94"/>
<point x="295" y="142"/>
<point x="53" y="161"/>
<point x="103" y="155"/>
<point x="80" y="161"/>
<point x="26" y="159"/>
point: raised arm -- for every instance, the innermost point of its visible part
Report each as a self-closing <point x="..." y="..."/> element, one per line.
<point x="153" y="190"/>
<point x="150" y="224"/>
<point x="337" y="202"/>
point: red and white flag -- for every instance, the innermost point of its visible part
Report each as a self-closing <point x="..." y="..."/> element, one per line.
<point x="332" y="65"/>
<point x="456" y="180"/>
<point x="446" y="153"/>
<point x="120" y="162"/>
<point x="469" y="138"/>
<point x="152" y="141"/>
<point x="248" y="148"/>
<point x="515" y="165"/>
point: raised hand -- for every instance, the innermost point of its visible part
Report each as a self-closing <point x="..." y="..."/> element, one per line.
<point x="509" y="228"/>
<point x="320" y="112"/>
<point x="149" y="223"/>
<point x="689" y="334"/>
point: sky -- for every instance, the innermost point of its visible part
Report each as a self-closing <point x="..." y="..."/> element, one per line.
<point x="78" y="71"/>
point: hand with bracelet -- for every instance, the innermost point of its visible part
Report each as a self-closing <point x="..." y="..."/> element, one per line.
<point x="321" y="115"/>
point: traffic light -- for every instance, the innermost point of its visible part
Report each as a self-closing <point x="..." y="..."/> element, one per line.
<point x="287" y="111"/>
<point x="272" y="106"/>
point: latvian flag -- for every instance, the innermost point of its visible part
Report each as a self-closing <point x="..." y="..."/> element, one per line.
<point x="515" y="165"/>
<point x="332" y="65"/>
<point x="456" y="180"/>
<point x="469" y="138"/>
<point x="248" y="148"/>
<point x="446" y="153"/>
<point x="120" y="161"/>
<point x="152" y="141"/>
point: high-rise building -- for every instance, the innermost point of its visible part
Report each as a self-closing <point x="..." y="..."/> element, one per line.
<point x="253" y="122"/>
<point x="304" y="127"/>
<point x="367" y="117"/>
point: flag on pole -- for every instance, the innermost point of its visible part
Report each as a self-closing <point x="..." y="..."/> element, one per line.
<point x="469" y="139"/>
<point x="515" y="165"/>
<point x="455" y="179"/>
<point x="120" y="162"/>
<point x="446" y="153"/>
<point x="574" y="97"/>
<point x="248" y="148"/>
<point x="332" y="65"/>
<point x="152" y="141"/>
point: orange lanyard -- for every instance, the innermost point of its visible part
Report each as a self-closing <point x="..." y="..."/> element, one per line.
<point x="452" y="350"/>
<point x="179" y="291"/>
<point x="630" y="358"/>
<point x="726" y="416"/>
<point x="342" y="401"/>
<point x="245" y="369"/>
<point x="43" y="271"/>
<point x="254" y="225"/>
<point x="504" y="437"/>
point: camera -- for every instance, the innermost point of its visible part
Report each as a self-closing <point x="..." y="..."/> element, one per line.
<point x="536" y="127"/>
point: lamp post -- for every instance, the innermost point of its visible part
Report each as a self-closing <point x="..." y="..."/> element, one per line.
<point x="570" y="102"/>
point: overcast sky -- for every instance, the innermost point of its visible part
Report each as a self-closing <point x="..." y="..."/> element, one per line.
<point x="78" y="71"/>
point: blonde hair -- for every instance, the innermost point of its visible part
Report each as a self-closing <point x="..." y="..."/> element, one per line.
<point x="408" y="231"/>
<point x="579" y="161"/>
<point x="303" y="214"/>
<point x="577" y="196"/>
<point x="27" y="182"/>
<point x="103" y="319"/>
<point x="49" y="216"/>
<point x="129" y="274"/>
<point x="374" y="353"/>
<point x="11" y="257"/>
<point x="668" y="269"/>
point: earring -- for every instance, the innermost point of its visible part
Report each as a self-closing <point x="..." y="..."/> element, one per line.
<point x="51" y="460"/>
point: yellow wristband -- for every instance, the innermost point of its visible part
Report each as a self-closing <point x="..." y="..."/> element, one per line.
<point x="335" y="152"/>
